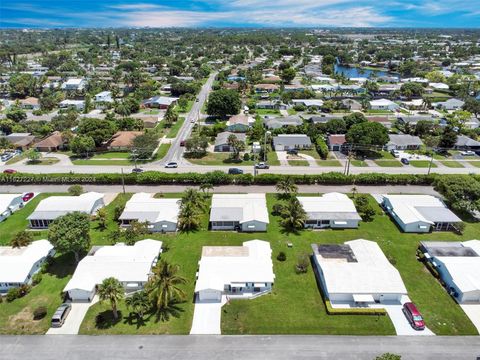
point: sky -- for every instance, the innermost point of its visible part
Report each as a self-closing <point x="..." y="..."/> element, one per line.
<point x="239" y="13"/>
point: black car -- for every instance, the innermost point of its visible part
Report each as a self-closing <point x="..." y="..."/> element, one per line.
<point x="292" y="152"/>
<point x="405" y="161"/>
<point x="137" y="170"/>
<point x="235" y="171"/>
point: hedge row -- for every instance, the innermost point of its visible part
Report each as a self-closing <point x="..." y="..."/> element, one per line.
<point x="220" y="178"/>
<point x="353" y="311"/>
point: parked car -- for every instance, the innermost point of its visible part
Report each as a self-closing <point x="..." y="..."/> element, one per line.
<point x="9" y="171"/>
<point x="182" y="143"/>
<point x="6" y="156"/>
<point x="137" y="170"/>
<point x="292" y="152"/>
<point x="27" y="196"/>
<point x="395" y="153"/>
<point x="59" y="317"/>
<point x="171" y="165"/>
<point x="405" y="161"/>
<point x="413" y="316"/>
<point x="235" y="171"/>
<point x="467" y="153"/>
<point x="262" y="165"/>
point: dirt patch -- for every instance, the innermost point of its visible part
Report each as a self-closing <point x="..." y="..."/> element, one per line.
<point x="23" y="323"/>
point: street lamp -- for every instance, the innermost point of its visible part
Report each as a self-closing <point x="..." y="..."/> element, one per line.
<point x="267" y="133"/>
<point x="134" y="153"/>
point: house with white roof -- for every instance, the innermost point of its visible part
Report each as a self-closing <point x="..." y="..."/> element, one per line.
<point x="131" y="265"/>
<point x="237" y="271"/>
<point x="245" y="212"/>
<point x="315" y="103"/>
<point x="332" y="210"/>
<point x="356" y="273"/>
<point x="458" y="264"/>
<point x="419" y="213"/>
<point x="102" y="98"/>
<point x="403" y="142"/>
<point x="72" y="104"/>
<point x="74" y="84"/>
<point x="450" y="104"/>
<point x="18" y="265"/>
<point x="284" y="142"/>
<point x="383" y="104"/>
<point x="160" y="102"/>
<point x="54" y="207"/>
<point x="161" y="215"/>
<point x="9" y="203"/>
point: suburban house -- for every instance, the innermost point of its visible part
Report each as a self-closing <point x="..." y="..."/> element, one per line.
<point x="414" y="119"/>
<point x="356" y="273"/>
<point x="383" y="104"/>
<point x="266" y="88"/>
<point x="458" y="264"/>
<point x="104" y="96"/>
<point x="160" y="102"/>
<point x="18" y="265"/>
<point x="333" y="210"/>
<point x="30" y="103"/>
<point x="336" y="142"/>
<point x="72" y="104"/>
<point x="54" y="207"/>
<point x="9" y="203"/>
<point x="244" y="212"/>
<point x="221" y="141"/>
<point x="419" y="213"/>
<point x="131" y="265"/>
<point x="466" y="143"/>
<point x="323" y="119"/>
<point x="20" y="140"/>
<point x="160" y="214"/>
<point x="75" y="84"/>
<point x="352" y="104"/>
<point x="291" y="141"/>
<point x="281" y="122"/>
<point x="403" y="142"/>
<point x="271" y="105"/>
<point x="122" y="140"/>
<point x="450" y="104"/>
<point x="52" y="142"/>
<point x="309" y="103"/>
<point x="240" y="123"/>
<point x="235" y="271"/>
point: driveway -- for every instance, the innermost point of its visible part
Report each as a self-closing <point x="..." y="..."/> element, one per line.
<point x="473" y="313"/>
<point x="282" y="157"/>
<point x="74" y="319"/>
<point x="207" y="318"/>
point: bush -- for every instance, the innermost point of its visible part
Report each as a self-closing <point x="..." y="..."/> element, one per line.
<point x="117" y="212"/>
<point x="281" y="256"/>
<point x="36" y="278"/>
<point x="246" y="157"/>
<point x="39" y="313"/>
<point x="277" y="209"/>
<point x="302" y="264"/>
<point x="75" y="190"/>
<point x="12" y="294"/>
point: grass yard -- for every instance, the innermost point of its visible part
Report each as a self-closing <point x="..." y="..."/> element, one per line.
<point x="292" y="111"/>
<point x="312" y="152"/>
<point x="112" y="155"/>
<point x="388" y="163"/>
<point x="101" y="162"/>
<point x="452" y="164"/>
<point x="298" y="163"/>
<point x="44" y="161"/>
<point x="422" y="163"/>
<point x="329" y="163"/>
<point x="266" y="112"/>
<point x="358" y="163"/>
<point x="162" y="151"/>
<point x="175" y="128"/>
<point x="474" y="163"/>
<point x="16" y="159"/>
<point x="187" y="108"/>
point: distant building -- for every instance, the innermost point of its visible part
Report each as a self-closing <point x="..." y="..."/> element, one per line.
<point x="74" y="84"/>
<point x="74" y="104"/>
<point x="450" y="104"/>
<point x="160" y="102"/>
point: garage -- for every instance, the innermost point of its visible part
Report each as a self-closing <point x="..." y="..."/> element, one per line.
<point x="210" y="295"/>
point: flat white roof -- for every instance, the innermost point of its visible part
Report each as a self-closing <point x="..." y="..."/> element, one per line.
<point x="16" y="264"/>
<point x="382" y="102"/>
<point x="239" y="207"/>
<point x="332" y="205"/>
<point x="6" y="200"/>
<point x="369" y="273"/>
<point x="225" y="265"/>
<point x="144" y="207"/>
<point x="125" y="263"/>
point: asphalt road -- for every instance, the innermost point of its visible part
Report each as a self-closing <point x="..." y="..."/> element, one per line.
<point x="237" y="347"/>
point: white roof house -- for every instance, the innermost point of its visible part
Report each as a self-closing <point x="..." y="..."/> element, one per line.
<point x="419" y="213"/>
<point x="356" y="272"/>
<point x="131" y="265"/>
<point x="333" y="210"/>
<point x="160" y="214"/>
<point x="17" y="265"/>
<point x="77" y="104"/>
<point x="74" y="84"/>
<point x="53" y="207"/>
<point x="8" y="204"/>
<point x="458" y="264"/>
<point x="308" y="102"/>
<point x="235" y="270"/>
<point x="383" y="104"/>
<point x="246" y="212"/>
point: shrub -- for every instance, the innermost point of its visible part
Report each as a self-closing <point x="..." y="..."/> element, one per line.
<point x="39" y="313"/>
<point x="281" y="256"/>
<point x="277" y="209"/>
<point x="12" y="294"/>
<point x="75" y="190"/>
<point x="302" y="264"/>
<point x="246" y="157"/>
<point x="117" y="212"/>
<point x="36" y="278"/>
<point x="353" y="311"/>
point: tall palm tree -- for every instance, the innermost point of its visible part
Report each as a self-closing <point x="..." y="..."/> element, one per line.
<point x="138" y="302"/>
<point x="206" y="187"/>
<point x="287" y="186"/>
<point x="293" y="215"/>
<point x="22" y="238"/>
<point x="194" y="197"/>
<point x="163" y="286"/>
<point x="189" y="217"/>
<point x="110" y="289"/>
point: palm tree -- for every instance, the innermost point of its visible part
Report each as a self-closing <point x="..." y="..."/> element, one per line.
<point x="163" y="286"/>
<point x="287" y="186"/>
<point x="206" y="187"/>
<point x="293" y="215"/>
<point x="22" y="238"/>
<point x="110" y="289"/>
<point x="193" y="196"/>
<point x="138" y="302"/>
<point x="189" y="217"/>
<point x="426" y="103"/>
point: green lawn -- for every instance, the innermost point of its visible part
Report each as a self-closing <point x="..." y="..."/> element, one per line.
<point x="44" y="161"/>
<point x="162" y="151"/>
<point x="329" y="163"/>
<point x="175" y="128"/>
<point x="16" y="159"/>
<point x="358" y="163"/>
<point x="298" y="163"/>
<point x="422" y="163"/>
<point x="187" y="108"/>
<point x="221" y="158"/>
<point x="312" y="152"/>
<point x="452" y="164"/>
<point x="101" y="162"/>
<point x="112" y="155"/>
<point x="475" y="163"/>
<point x="266" y="112"/>
<point x="388" y="163"/>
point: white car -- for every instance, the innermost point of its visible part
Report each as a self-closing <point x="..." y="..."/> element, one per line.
<point x="467" y="153"/>
<point x="171" y="165"/>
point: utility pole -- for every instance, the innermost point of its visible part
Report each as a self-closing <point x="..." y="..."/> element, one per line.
<point x="267" y="133"/>
<point x="430" y="164"/>
<point x="123" y="182"/>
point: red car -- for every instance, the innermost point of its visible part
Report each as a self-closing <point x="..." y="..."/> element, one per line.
<point x="27" y="196"/>
<point x="182" y="143"/>
<point x="9" y="171"/>
<point x="413" y="316"/>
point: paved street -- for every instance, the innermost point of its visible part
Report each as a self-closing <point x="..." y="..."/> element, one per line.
<point x="237" y="347"/>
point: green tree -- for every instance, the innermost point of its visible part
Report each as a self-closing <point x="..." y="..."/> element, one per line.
<point x="388" y="356"/>
<point x="223" y="102"/>
<point x="353" y="119"/>
<point x="236" y="145"/>
<point x="138" y="303"/>
<point x="70" y="233"/>
<point x="449" y="138"/>
<point x="145" y="144"/>
<point x="196" y="145"/>
<point x="288" y="74"/>
<point x="21" y="239"/>
<point x="367" y="134"/>
<point x="102" y="218"/>
<point x="293" y="215"/>
<point x="33" y="155"/>
<point x="16" y="114"/>
<point x="192" y="205"/>
<point x="461" y="192"/>
<point x="100" y="130"/>
<point x="82" y="145"/>
<point x="472" y="106"/>
<point x="21" y="85"/>
<point x="163" y="287"/>
<point x="111" y="290"/>
<point x="287" y="187"/>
